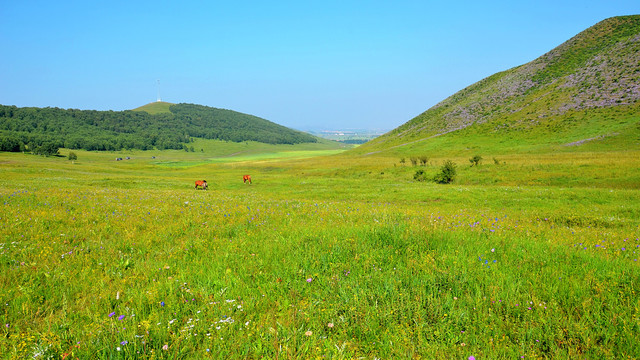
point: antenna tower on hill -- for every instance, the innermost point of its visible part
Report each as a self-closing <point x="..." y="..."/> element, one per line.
<point x="159" y="91"/>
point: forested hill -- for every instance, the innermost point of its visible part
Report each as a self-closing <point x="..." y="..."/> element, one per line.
<point x="115" y="130"/>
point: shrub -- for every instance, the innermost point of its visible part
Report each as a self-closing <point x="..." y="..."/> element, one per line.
<point x="414" y="160"/>
<point x="475" y="160"/>
<point x="402" y="161"/>
<point x="447" y="173"/>
<point x="420" y="176"/>
<point x="423" y="160"/>
<point x="73" y="156"/>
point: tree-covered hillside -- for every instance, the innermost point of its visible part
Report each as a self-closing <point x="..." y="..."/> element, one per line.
<point x="115" y="130"/>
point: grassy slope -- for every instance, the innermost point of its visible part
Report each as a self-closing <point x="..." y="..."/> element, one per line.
<point x="155" y="107"/>
<point x="583" y="89"/>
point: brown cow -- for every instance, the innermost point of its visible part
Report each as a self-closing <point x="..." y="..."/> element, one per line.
<point x="246" y="178"/>
<point x="202" y="184"/>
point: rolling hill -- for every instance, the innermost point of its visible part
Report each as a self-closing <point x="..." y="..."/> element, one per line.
<point x="582" y="94"/>
<point x="157" y="125"/>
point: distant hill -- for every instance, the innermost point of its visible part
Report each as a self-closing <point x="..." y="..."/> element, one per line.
<point x="157" y="125"/>
<point x="583" y="92"/>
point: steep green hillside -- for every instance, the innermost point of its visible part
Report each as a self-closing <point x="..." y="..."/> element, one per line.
<point x="582" y="92"/>
<point x="31" y="128"/>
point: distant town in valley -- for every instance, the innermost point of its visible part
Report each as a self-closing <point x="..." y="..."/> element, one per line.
<point x="350" y="136"/>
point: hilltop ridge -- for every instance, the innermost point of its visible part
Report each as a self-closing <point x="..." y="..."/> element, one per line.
<point x="598" y="69"/>
<point x="155" y="107"/>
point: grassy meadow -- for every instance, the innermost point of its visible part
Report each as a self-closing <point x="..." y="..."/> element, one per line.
<point x="325" y="255"/>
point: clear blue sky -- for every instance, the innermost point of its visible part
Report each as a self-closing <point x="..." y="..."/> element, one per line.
<point x="303" y="64"/>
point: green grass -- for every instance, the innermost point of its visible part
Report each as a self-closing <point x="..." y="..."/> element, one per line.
<point x="340" y="256"/>
<point x="155" y="107"/>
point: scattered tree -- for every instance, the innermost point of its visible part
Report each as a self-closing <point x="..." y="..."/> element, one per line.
<point x="73" y="156"/>
<point x="447" y="173"/>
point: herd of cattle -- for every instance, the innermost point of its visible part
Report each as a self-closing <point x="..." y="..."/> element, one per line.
<point x="202" y="184"/>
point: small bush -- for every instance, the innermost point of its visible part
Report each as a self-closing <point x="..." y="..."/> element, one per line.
<point x="424" y="160"/>
<point x="496" y="161"/>
<point x="414" y="160"/>
<point x="475" y="160"/>
<point x="447" y="173"/>
<point x="73" y="156"/>
<point x="420" y="176"/>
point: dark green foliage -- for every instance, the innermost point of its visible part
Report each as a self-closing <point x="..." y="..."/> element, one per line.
<point x="9" y="142"/>
<point x="420" y="176"/>
<point x="116" y="130"/>
<point x="402" y="161"/>
<point x="475" y="160"/>
<point x="211" y="123"/>
<point x="48" y="148"/>
<point x="447" y="173"/>
<point x="73" y="156"/>
<point x="423" y="160"/>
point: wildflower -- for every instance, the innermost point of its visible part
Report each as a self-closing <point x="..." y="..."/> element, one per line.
<point x="162" y="303"/>
<point x="330" y="325"/>
<point x="121" y="317"/>
<point x="309" y="280"/>
<point x="118" y="348"/>
<point x="472" y="357"/>
<point x="125" y="342"/>
<point x="165" y="347"/>
<point x="493" y="250"/>
<point x="113" y="313"/>
<point x="308" y="333"/>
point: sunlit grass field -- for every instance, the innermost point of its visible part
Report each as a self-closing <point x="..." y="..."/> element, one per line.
<point x="333" y="256"/>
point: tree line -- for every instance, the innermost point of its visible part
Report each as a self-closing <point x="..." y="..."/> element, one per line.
<point x="30" y="128"/>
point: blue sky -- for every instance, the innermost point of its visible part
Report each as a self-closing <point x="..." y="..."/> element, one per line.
<point x="303" y="64"/>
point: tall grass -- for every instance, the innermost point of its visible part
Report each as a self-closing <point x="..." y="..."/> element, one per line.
<point x="338" y="257"/>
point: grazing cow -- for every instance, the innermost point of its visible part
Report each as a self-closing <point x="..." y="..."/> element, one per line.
<point x="246" y="178"/>
<point x="202" y="184"/>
